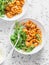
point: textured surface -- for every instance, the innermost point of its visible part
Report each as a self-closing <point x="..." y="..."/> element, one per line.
<point x="39" y="10"/>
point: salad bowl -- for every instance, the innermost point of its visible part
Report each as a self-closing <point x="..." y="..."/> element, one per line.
<point x="39" y="47"/>
<point x="16" y="17"/>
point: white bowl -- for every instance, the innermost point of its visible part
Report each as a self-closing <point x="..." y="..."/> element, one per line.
<point x="39" y="47"/>
<point x="2" y="53"/>
<point x="17" y="16"/>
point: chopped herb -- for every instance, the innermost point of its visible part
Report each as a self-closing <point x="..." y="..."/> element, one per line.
<point x="38" y="37"/>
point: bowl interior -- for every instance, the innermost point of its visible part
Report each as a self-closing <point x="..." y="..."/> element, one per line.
<point x="39" y="47"/>
<point x="16" y="17"/>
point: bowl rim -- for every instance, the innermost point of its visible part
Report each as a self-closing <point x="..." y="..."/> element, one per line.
<point x="31" y="51"/>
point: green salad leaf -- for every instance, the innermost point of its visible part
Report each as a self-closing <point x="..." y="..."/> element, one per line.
<point x="38" y="37"/>
<point x="3" y="4"/>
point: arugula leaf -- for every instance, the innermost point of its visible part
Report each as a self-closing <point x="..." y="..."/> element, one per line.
<point x="3" y="4"/>
<point x="38" y="37"/>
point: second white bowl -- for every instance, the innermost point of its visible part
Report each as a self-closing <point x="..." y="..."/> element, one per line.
<point x="39" y="47"/>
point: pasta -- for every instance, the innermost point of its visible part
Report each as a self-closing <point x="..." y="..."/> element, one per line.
<point x="33" y="33"/>
<point x="14" y="8"/>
